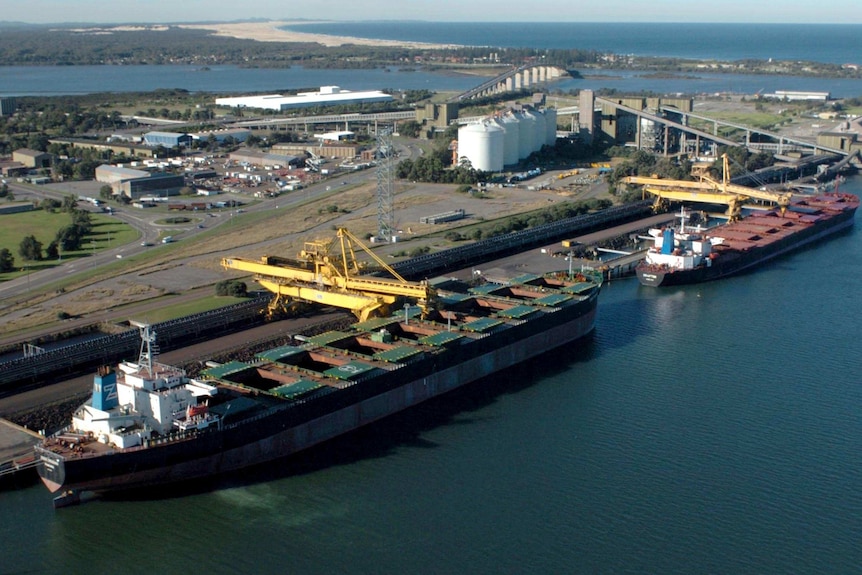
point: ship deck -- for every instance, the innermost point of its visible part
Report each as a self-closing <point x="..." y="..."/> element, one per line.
<point x="315" y="366"/>
<point x="764" y="228"/>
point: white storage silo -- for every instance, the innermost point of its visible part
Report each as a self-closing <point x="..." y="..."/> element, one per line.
<point x="482" y="144"/>
<point x="550" y="126"/>
<point x="511" y="127"/>
<point x="527" y="135"/>
<point x="541" y="131"/>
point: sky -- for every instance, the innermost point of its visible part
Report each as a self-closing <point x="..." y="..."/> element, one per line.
<point x="164" y="11"/>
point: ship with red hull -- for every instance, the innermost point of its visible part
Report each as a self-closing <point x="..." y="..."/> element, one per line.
<point x="149" y="424"/>
<point x="687" y="256"/>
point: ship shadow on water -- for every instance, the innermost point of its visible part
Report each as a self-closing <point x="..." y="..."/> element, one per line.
<point x="382" y="438"/>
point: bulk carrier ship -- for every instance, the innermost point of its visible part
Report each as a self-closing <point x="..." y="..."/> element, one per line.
<point x="686" y="256"/>
<point x="149" y="424"/>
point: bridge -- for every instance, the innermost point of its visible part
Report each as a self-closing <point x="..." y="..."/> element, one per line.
<point x="338" y="119"/>
<point x="515" y="79"/>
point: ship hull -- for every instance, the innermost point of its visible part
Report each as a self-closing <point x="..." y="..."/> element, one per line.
<point x="288" y="431"/>
<point x="734" y="262"/>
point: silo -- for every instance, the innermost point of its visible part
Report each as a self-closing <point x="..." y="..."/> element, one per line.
<point x="482" y="144"/>
<point x="527" y="136"/>
<point x="551" y="126"/>
<point x="541" y="130"/>
<point x="511" y="127"/>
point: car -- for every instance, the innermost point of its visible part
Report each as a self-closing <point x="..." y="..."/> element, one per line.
<point x="146" y="244"/>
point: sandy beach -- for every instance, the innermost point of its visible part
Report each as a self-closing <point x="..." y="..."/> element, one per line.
<point x="270" y="32"/>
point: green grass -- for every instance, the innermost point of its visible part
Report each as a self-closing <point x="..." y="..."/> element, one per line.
<point x="761" y="120"/>
<point x="191" y="308"/>
<point x="108" y="232"/>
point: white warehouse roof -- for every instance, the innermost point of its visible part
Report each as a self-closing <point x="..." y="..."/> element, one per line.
<point x="327" y="96"/>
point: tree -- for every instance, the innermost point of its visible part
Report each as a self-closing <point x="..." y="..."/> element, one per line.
<point x="49" y="204"/>
<point x="69" y="238"/>
<point x="231" y="288"/>
<point x="52" y="252"/>
<point x="7" y="260"/>
<point x="69" y="203"/>
<point x="106" y="192"/>
<point x="410" y="128"/>
<point x="30" y="248"/>
<point x="83" y="220"/>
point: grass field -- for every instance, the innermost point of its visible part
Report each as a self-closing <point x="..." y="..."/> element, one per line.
<point x="107" y="232"/>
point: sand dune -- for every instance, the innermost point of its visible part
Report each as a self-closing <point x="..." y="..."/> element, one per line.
<point x="270" y="32"/>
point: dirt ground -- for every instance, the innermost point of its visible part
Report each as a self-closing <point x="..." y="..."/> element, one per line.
<point x="197" y="264"/>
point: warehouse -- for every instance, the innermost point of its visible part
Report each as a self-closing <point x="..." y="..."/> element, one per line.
<point x="136" y="183"/>
<point x="327" y="96"/>
<point x="167" y="139"/>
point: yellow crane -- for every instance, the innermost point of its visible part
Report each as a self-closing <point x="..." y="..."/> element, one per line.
<point x="707" y="190"/>
<point x="329" y="273"/>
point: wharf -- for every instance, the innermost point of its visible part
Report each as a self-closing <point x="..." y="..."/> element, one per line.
<point x="545" y="261"/>
<point x="17" y="459"/>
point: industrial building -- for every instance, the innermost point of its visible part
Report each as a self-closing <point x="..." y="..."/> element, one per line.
<point x="33" y="159"/>
<point x="167" y="139"/>
<point x="335" y="151"/>
<point x="115" y="146"/>
<point x="506" y="138"/>
<point x="135" y="184"/>
<point x="327" y="96"/>
<point x="847" y="136"/>
<point x="237" y="134"/>
<point x="260" y="158"/>
<point x="798" y="96"/>
<point x="8" y="106"/>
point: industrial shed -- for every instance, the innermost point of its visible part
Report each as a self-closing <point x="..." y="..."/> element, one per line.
<point x="167" y="139"/>
<point x="327" y="96"/>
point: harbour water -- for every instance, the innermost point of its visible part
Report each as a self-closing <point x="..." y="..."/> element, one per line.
<point x="712" y="428"/>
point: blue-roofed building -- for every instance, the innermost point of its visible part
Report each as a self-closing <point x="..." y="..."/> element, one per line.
<point x="167" y="139"/>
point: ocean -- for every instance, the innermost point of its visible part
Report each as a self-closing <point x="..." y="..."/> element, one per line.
<point x="832" y="43"/>
<point x="712" y="428"/>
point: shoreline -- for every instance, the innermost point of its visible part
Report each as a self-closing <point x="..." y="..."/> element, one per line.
<point x="271" y="32"/>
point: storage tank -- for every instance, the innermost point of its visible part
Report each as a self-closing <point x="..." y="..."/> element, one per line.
<point x="512" y="128"/>
<point x="482" y="144"/>
<point x="527" y="135"/>
<point x="541" y="130"/>
<point x="551" y="126"/>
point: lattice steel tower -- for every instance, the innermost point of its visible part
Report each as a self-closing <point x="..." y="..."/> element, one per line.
<point x="385" y="185"/>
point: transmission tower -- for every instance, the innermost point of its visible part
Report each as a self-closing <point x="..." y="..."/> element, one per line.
<point x="385" y="186"/>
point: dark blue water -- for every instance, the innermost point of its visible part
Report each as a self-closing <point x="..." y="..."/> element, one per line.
<point x="707" y="429"/>
<point x="60" y="80"/>
<point x="833" y="43"/>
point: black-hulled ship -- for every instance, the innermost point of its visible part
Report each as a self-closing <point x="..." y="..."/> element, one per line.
<point x="686" y="256"/>
<point x="149" y="424"/>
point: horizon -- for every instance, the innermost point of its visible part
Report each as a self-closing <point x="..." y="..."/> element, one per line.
<point x="300" y="21"/>
<point x="105" y="12"/>
<point x="416" y="20"/>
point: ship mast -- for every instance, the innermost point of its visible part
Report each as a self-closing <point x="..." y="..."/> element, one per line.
<point x="148" y="346"/>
